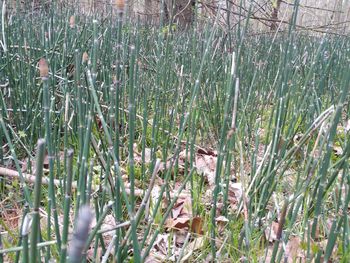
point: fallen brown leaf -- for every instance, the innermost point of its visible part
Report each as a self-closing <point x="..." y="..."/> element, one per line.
<point x="271" y="232"/>
<point x="293" y="249"/>
<point x="235" y="192"/>
<point x="161" y="243"/>
<point x="154" y="258"/>
<point x="197" y="225"/>
<point x="206" y="165"/>
<point x="221" y="222"/>
<point x="184" y="223"/>
<point x="338" y="151"/>
<point x="347" y="126"/>
<point x="178" y="223"/>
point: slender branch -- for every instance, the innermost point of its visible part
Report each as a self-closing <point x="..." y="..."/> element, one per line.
<point x="30" y="178"/>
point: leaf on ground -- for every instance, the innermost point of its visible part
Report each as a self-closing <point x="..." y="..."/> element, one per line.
<point x="138" y="155"/>
<point x="235" y="192"/>
<point x="155" y="195"/>
<point x="194" y="224"/>
<point x="148" y="155"/>
<point x="108" y="223"/>
<point x="294" y="250"/>
<point x="177" y="223"/>
<point x="347" y="125"/>
<point x="177" y="209"/>
<point x="181" y="216"/>
<point x="206" y="165"/>
<point x="196" y="244"/>
<point x="47" y="159"/>
<point x="167" y="165"/>
<point x="205" y="162"/>
<point x="221" y="219"/>
<point x="197" y="225"/>
<point x="45" y="164"/>
<point x="271" y="232"/>
<point x="184" y="156"/>
<point x="162" y="245"/>
<point x="155" y="258"/>
<point x="180" y="236"/>
<point x="268" y="257"/>
<point x="221" y="223"/>
<point x="338" y="151"/>
<point x="183" y="205"/>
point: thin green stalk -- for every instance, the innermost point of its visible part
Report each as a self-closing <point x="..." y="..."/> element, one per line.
<point x="44" y="71"/>
<point x="67" y="201"/>
<point x="77" y="249"/>
<point x="37" y="199"/>
<point x="326" y="160"/>
<point x="20" y="248"/>
<point x="25" y="240"/>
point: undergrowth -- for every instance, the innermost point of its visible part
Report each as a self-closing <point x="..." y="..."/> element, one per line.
<point x="252" y="133"/>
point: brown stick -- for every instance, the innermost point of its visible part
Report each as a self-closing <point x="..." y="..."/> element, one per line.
<point x="45" y="180"/>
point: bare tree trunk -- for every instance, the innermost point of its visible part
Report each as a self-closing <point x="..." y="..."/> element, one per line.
<point x="274" y="16"/>
<point x="181" y="11"/>
<point x="149" y="10"/>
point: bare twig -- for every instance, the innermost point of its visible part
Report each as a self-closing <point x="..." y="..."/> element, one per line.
<point x="30" y="178"/>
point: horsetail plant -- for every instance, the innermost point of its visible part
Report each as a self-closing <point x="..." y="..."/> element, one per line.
<point x="44" y="74"/>
<point x="144" y="114"/>
<point x="35" y="225"/>
<point x="25" y="240"/>
<point x="77" y="248"/>
<point x="67" y="203"/>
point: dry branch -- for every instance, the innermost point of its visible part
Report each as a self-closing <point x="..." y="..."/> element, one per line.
<point x="30" y="178"/>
